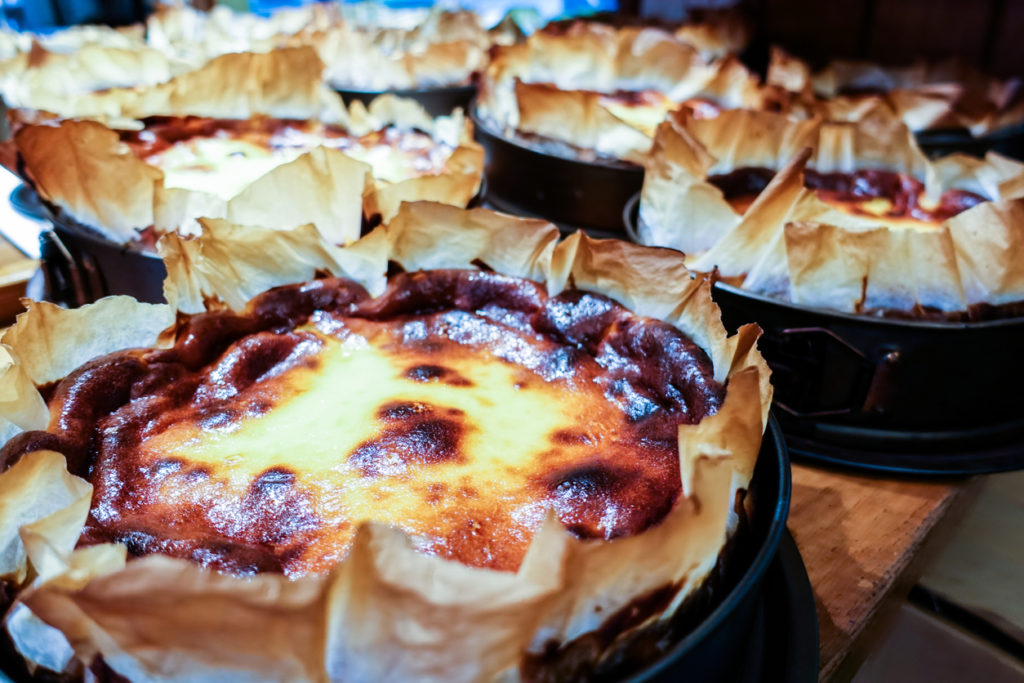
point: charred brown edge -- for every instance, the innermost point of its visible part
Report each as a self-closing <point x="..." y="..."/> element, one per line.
<point x="628" y="641"/>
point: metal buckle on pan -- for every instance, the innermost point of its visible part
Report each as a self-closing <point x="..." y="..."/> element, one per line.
<point x="71" y="279"/>
<point x="883" y="379"/>
<point x="817" y="373"/>
<point x="631" y="218"/>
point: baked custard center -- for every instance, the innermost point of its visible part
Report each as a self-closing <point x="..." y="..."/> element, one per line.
<point x="362" y="429"/>
<point x="345" y="396"/>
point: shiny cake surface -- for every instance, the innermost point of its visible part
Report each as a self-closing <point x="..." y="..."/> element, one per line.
<point x="459" y="406"/>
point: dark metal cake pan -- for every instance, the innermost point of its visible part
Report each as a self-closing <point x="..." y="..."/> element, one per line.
<point x="580" y="194"/>
<point x="893" y="395"/>
<point x="709" y="651"/>
<point x="939" y="143"/>
<point x="81" y="265"/>
<point x="439" y="101"/>
<point x="905" y="396"/>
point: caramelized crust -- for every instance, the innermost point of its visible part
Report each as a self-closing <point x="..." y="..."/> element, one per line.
<point x="458" y="405"/>
<point x="870" y="193"/>
<point x="162" y="132"/>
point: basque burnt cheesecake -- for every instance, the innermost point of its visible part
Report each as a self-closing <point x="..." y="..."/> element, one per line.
<point x="69" y="39"/>
<point x="286" y="83"/>
<point x="850" y="217"/>
<point x="234" y="449"/>
<point x="715" y="33"/>
<point x="375" y="49"/>
<point x="48" y="80"/>
<point x="925" y="96"/>
<point x="75" y="59"/>
<point x="364" y="46"/>
<point x="590" y="91"/>
<point x="224" y="155"/>
<point x="194" y="37"/>
<point x="459" y="471"/>
<point x="367" y="47"/>
<point x="188" y="148"/>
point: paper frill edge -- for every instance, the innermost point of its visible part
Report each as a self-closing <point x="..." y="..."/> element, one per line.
<point x="790" y="244"/>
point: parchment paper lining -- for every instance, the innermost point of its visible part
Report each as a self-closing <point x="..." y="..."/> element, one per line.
<point x="794" y="246"/>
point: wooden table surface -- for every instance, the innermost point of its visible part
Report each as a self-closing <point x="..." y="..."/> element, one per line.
<point x="861" y="539"/>
<point x="15" y="270"/>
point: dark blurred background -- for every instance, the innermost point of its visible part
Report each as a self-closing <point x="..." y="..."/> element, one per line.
<point x="39" y="15"/>
<point x="983" y="33"/>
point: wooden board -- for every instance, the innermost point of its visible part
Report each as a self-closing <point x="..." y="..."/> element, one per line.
<point x="15" y="270"/>
<point x="860" y="538"/>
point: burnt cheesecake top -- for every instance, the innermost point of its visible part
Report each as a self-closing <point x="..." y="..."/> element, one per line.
<point x="460" y="406"/>
<point x="895" y="199"/>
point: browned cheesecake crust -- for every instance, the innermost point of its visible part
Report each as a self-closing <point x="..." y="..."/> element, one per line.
<point x="612" y="471"/>
<point x="903" y="192"/>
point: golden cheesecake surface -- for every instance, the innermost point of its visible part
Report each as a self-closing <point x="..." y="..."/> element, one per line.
<point x="895" y="200"/>
<point x="459" y="406"/>
<point x="223" y="156"/>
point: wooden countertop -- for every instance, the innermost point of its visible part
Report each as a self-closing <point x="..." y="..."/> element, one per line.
<point x="861" y="539"/>
<point x="15" y="270"/>
<point x="15" y="267"/>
